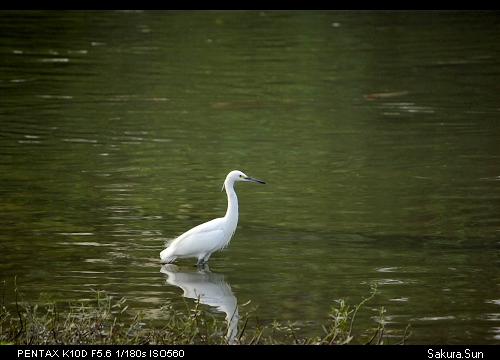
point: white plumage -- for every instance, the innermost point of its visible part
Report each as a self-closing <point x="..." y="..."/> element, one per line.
<point x="201" y="241"/>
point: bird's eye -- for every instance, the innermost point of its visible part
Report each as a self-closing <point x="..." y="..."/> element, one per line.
<point x="241" y="176"/>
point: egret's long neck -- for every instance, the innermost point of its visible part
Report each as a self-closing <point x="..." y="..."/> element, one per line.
<point x="232" y="204"/>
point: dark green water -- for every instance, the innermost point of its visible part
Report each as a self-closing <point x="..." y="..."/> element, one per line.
<point x="377" y="133"/>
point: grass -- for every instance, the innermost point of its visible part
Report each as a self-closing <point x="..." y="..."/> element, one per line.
<point x="107" y="321"/>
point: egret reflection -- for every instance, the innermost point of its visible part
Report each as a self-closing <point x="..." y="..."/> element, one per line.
<point x="210" y="288"/>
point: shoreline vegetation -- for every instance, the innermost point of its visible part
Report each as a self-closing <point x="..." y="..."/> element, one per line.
<point x="108" y="321"/>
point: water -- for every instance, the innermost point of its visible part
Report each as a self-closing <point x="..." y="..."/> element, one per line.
<point x="377" y="133"/>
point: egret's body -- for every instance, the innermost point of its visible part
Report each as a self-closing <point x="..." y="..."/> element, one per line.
<point x="201" y="241"/>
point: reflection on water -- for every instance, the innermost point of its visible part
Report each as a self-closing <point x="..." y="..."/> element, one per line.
<point x="208" y="288"/>
<point x="376" y="132"/>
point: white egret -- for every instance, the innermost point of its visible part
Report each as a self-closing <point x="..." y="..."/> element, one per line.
<point x="201" y="241"/>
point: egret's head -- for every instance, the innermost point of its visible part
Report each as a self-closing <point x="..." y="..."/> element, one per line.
<point x="237" y="175"/>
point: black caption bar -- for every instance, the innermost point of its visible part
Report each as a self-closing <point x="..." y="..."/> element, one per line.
<point x="109" y="352"/>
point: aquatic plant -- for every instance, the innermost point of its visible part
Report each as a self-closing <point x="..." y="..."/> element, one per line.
<point x="106" y="321"/>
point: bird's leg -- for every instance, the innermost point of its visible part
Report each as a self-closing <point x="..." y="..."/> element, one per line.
<point x="200" y="263"/>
